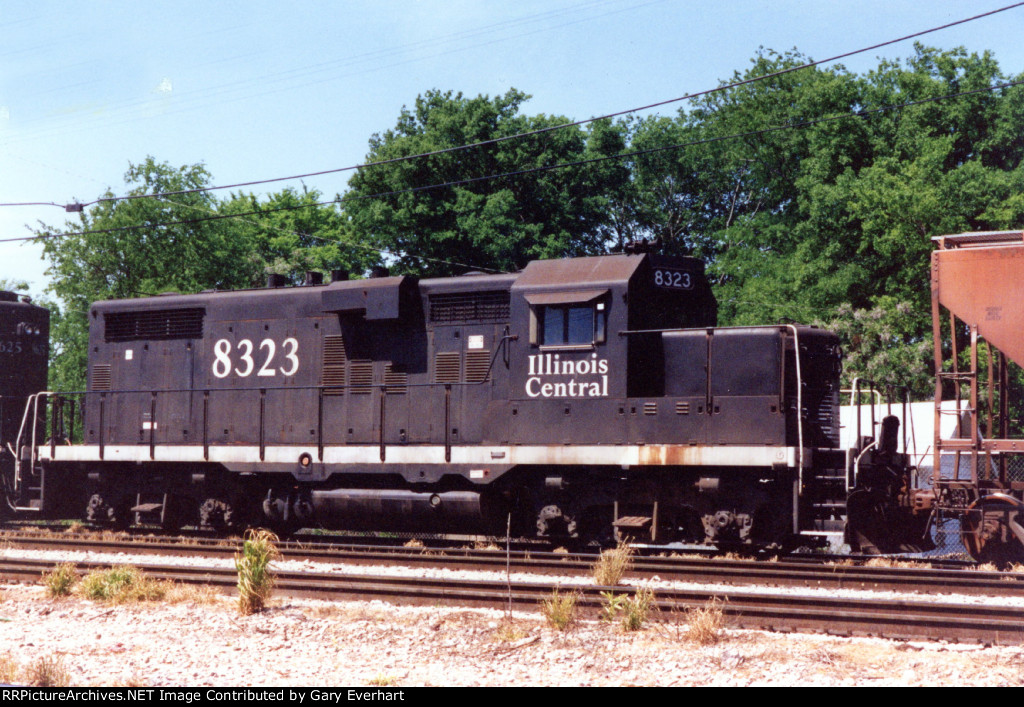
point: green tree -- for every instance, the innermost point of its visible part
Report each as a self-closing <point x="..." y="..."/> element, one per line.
<point x="132" y="248"/>
<point x="829" y="217"/>
<point x="497" y="224"/>
<point x="294" y="231"/>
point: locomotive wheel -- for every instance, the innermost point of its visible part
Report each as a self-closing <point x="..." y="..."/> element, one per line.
<point x="217" y="514"/>
<point x="985" y="531"/>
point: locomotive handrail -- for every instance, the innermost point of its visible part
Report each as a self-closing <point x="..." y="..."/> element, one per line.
<point x="799" y="426"/>
<point x="907" y="420"/>
<point x="31" y="405"/>
<point x="629" y="332"/>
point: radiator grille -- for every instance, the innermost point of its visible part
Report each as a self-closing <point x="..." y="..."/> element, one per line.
<point x="101" y="376"/>
<point x="470" y="307"/>
<point x="184" y="323"/>
<point x="477" y="365"/>
<point x="446" y="367"/>
<point x="361" y="377"/>
<point x="333" y="372"/>
<point x="395" y="381"/>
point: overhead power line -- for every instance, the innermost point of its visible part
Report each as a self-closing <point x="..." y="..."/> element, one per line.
<point x="518" y="173"/>
<point x="724" y="87"/>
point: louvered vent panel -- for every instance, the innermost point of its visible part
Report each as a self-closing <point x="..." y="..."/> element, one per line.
<point x="477" y="364"/>
<point x="333" y="373"/>
<point x="682" y="408"/>
<point x="101" y="376"/>
<point x="489" y="306"/>
<point x="650" y="408"/>
<point x="395" y="381"/>
<point x="446" y="367"/>
<point x="360" y="377"/>
<point x="186" y="323"/>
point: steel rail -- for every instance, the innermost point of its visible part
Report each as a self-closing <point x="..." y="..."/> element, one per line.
<point x="783" y="573"/>
<point x="900" y="619"/>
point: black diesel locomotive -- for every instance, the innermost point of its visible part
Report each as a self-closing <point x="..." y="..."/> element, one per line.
<point x="588" y="398"/>
<point x="24" y="351"/>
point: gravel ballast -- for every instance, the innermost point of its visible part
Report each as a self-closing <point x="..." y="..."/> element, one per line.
<point x="316" y="643"/>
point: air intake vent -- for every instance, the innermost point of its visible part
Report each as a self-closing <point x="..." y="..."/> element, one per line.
<point x="650" y="408"/>
<point x="154" y="324"/>
<point x="477" y="365"/>
<point x="446" y="367"/>
<point x="682" y="408"/>
<point x="333" y="372"/>
<point x="361" y="380"/>
<point x="395" y="381"/>
<point x="490" y="306"/>
<point x="100" y="377"/>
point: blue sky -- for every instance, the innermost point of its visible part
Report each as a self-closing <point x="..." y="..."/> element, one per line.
<point x="261" y="89"/>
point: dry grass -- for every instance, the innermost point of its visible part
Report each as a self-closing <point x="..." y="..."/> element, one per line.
<point x="704" y="625"/>
<point x="48" y="671"/>
<point x="893" y="562"/>
<point x="414" y="543"/>
<point x="383" y="681"/>
<point x="202" y="594"/>
<point x="61" y="580"/>
<point x="612" y="565"/>
<point x="561" y="610"/>
<point x="121" y="585"/>
<point x="255" y="577"/>
<point x="510" y="631"/>
<point x="8" y="669"/>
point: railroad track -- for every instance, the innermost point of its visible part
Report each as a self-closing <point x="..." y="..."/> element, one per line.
<point x="899" y="619"/>
<point x="702" y="570"/>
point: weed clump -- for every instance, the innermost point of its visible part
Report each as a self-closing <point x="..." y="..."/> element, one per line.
<point x="561" y="610"/>
<point x="255" y="577"/>
<point x="48" y="671"/>
<point x="631" y="611"/>
<point x="61" y="580"/>
<point x="121" y="584"/>
<point x="8" y="669"/>
<point x="637" y="608"/>
<point x="612" y="565"/>
<point x="704" y="625"/>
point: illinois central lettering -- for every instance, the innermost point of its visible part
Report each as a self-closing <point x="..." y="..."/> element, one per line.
<point x="587" y="377"/>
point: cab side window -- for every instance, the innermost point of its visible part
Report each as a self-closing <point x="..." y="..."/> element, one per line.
<point x="572" y="324"/>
